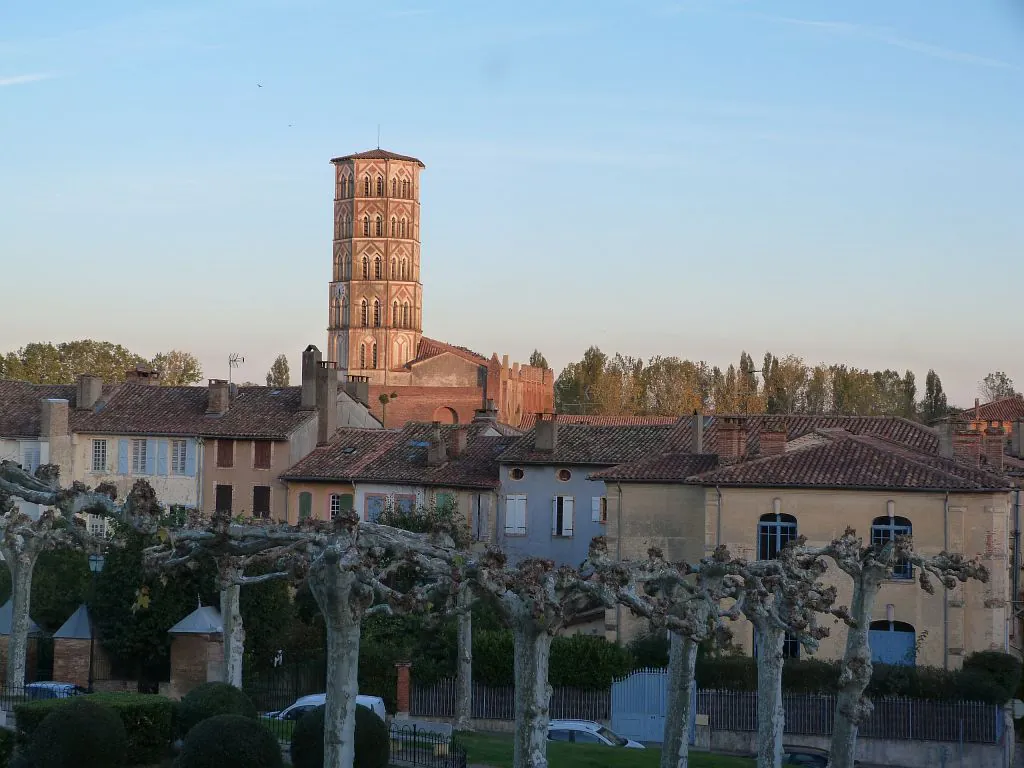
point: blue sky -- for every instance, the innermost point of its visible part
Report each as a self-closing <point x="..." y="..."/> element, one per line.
<point x="839" y="180"/>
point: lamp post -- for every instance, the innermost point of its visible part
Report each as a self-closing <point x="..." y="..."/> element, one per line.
<point x="95" y="566"/>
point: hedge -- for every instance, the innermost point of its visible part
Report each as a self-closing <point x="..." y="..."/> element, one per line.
<point x="212" y="699"/>
<point x="147" y="718"/>
<point x="372" y="740"/>
<point x="7" y="741"/>
<point x="577" y="661"/>
<point x="82" y="732"/>
<point x="230" y="741"/>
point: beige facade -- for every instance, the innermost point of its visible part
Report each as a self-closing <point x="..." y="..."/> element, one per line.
<point x="98" y="459"/>
<point x="688" y="521"/>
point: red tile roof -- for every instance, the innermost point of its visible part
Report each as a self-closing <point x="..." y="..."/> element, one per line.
<point x="429" y="348"/>
<point x="663" y="468"/>
<point x="583" y="444"/>
<point x="377" y="154"/>
<point x="348" y="453"/>
<point x="1005" y="409"/>
<point x="530" y="419"/>
<point x="19" y="405"/>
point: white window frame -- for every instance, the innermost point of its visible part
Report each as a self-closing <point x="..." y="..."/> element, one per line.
<point x="335" y="506"/>
<point x="139" y="457"/>
<point x="559" y="529"/>
<point x="515" y="514"/>
<point x="99" y="451"/>
<point x="179" y="450"/>
<point x="599" y="509"/>
<point x="31" y="455"/>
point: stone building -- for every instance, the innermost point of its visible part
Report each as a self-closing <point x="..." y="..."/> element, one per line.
<point x="375" y="322"/>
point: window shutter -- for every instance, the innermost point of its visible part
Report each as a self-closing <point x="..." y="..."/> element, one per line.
<point x="554" y="515"/>
<point x="567" y="514"/>
<point x="595" y="509"/>
<point x="347" y="501"/>
<point x="190" y="458"/>
<point x="521" y="518"/>
<point x="484" y="525"/>
<point x="122" y="457"/>
<point x="161" y="458"/>
<point x="305" y="505"/>
<point x="151" y="457"/>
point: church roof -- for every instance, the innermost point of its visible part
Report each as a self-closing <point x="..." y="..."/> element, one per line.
<point x="429" y="348"/>
<point x="378" y="154"/>
<point x="6" y="620"/>
<point x="204" y="620"/>
<point x="77" y="627"/>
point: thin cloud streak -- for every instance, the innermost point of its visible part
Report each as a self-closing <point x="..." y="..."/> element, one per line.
<point x="22" y="79"/>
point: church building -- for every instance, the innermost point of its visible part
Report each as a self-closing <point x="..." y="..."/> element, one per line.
<point x="375" y="328"/>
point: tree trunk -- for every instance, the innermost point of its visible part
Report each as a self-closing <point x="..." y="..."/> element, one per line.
<point x="682" y="660"/>
<point x="234" y="634"/>
<point x="332" y="588"/>
<point x="21" y="566"/>
<point x="464" y="669"/>
<point x="855" y="672"/>
<point x="771" y="717"/>
<point x="533" y="693"/>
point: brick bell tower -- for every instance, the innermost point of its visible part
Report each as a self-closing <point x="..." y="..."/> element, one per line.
<point x="376" y="297"/>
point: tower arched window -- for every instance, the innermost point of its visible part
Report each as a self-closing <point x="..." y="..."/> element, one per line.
<point x="380" y="186"/>
<point x="405" y="188"/>
<point x="774" y="531"/>
<point x="364" y="313"/>
<point x="376" y="314"/>
<point x="405" y="270"/>
<point x="366" y="268"/>
<point x="403" y="226"/>
<point x="346" y="227"/>
<point x="373" y="347"/>
<point x="394" y="187"/>
<point x="366" y="186"/>
<point x="394" y="315"/>
<point x="376" y="269"/>
<point x="380" y="226"/>
<point x="394" y="226"/>
<point x="405" y="315"/>
<point x="344" y="311"/>
<point x="394" y="269"/>
<point x="366" y="226"/>
<point x="362" y="355"/>
<point x="885" y="529"/>
<point x="346" y="268"/>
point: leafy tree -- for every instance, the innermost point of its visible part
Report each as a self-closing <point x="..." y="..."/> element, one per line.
<point x="576" y="386"/>
<point x="178" y="368"/>
<point x="538" y="360"/>
<point x="934" y="405"/>
<point x="278" y="375"/>
<point x="269" y="615"/>
<point x="60" y="583"/>
<point x="996" y="386"/>
<point x="48" y="363"/>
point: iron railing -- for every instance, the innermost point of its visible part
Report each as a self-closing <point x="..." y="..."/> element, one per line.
<point x="438" y="700"/>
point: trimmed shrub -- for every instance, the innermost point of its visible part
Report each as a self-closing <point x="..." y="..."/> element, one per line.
<point x="210" y="700"/>
<point x="372" y="748"/>
<point x="7" y="739"/>
<point x="1003" y="673"/>
<point x="230" y="741"/>
<point x="81" y="732"/>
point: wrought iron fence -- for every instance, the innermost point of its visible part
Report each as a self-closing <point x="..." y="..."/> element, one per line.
<point x="438" y="700"/>
<point x="10" y="695"/>
<point x="274" y="689"/>
<point x="411" y="746"/>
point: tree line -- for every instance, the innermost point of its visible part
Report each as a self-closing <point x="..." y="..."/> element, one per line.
<point x="622" y="385"/>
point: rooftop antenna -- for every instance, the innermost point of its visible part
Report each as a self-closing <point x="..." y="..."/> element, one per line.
<point x="234" y="360"/>
<point x="378" y="135"/>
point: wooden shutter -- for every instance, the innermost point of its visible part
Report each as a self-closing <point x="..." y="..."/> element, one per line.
<point x="225" y="453"/>
<point x="305" y="505"/>
<point x="595" y="509"/>
<point x="262" y="457"/>
<point x="568" y="502"/>
<point x="122" y="457"/>
<point x="190" y="458"/>
<point x="161" y="458"/>
<point x="554" y="516"/>
<point x="347" y="501"/>
<point x="151" y="457"/>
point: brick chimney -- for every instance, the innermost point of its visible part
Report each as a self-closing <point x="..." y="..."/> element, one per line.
<point x="311" y="359"/>
<point x="773" y="442"/>
<point x="732" y="439"/>
<point x="994" y="447"/>
<point x="698" y="432"/>
<point x="55" y="429"/>
<point x="488" y="414"/>
<point x="326" y="401"/>
<point x="546" y="433"/>
<point x="460" y="439"/>
<point x="967" y="447"/>
<point x="977" y="409"/>
<point x="90" y="388"/>
<point x="437" y="451"/>
<point x="142" y="374"/>
<point x="218" y="397"/>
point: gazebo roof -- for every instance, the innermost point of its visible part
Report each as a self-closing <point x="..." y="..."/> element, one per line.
<point x="7" y="620"/>
<point x="77" y="627"/>
<point x="204" y="620"/>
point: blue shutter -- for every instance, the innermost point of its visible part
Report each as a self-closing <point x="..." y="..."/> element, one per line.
<point x="122" y="457"/>
<point x="161" y="458"/>
<point x="151" y="457"/>
<point x="190" y="458"/>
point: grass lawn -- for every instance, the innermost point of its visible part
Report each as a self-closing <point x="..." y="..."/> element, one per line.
<point x="496" y="750"/>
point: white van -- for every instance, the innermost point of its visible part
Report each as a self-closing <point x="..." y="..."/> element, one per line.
<point x="305" y="704"/>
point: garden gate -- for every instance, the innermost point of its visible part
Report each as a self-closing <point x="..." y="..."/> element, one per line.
<point x="639" y="702"/>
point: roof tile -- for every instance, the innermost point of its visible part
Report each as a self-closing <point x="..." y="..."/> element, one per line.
<point x="377" y="154"/>
<point x="583" y="444"/>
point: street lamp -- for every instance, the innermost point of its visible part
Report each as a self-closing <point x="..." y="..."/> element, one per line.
<point x="95" y="566"/>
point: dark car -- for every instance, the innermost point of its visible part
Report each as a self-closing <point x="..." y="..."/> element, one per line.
<point x="808" y="756"/>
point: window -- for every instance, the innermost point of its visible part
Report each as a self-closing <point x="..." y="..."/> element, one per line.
<point x="394" y="187"/>
<point x="375" y="504"/>
<point x="403" y="227"/>
<point x="561" y="516"/>
<point x="774" y="531"/>
<point x="97" y="525"/>
<point x="222" y="498"/>
<point x="373" y="351"/>
<point x="225" y="453"/>
<point x="362" y="355"/>
<point x="394" y="269"/>
<point x="790" y="646"/>
<point x="444" y="500"/>
<point x="380" y="186"/>
<point x="376" y="269"/>
<point x="261" y="501"/>
<point x="366" y="186"/>
<point x="376" y="313"/>
<point x="886" y="529"/>
<point x="405" y="315"/>
<point x="599" y="509"/>
<point x="564" y="475"/>
<point x="405" y="272"/>
<point x="261" y="454"/>
<point x="515" y="515"/>
<point x="585" y="737"/>
<point x="893" y="642"/>
<point x="31" y="455"/>
<point x="405" y="188"/>
<point x="340" y="501"/>
<point x="305" y="505"/>
<point x="394" y="314"/>
<point x="364" y="313"/>
<point x="516" y="473"/>
<point x="178" y="453"/>
<point x="346" y="227"/>
<point x="380" y="226"/>
<point x="99" y="455"/>
<point x="139" y="457"/>
<point x="558" y="735"/>
<point x="366" y="226"/>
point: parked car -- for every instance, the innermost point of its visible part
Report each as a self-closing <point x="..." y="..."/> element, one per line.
<point x="588" y="732"/>
<point x="51" y="689"/>
<point x="305" y="704"/>
<point x="808" y="756"/>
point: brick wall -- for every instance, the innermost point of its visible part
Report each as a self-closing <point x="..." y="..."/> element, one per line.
<point x="422" y="403"/>
<point x="195" y="659"/>
<point x="31" y="660"/>
<point x="71" y="661"/>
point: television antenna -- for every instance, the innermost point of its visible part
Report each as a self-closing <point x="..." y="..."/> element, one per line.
<point x="234" y="361"/>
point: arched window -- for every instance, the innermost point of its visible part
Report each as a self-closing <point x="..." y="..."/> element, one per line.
<point x="366" y="186"/>
<point x="346" y="268"/>
<point x="893" y="642"/>
<point x="362" y="355"/>
<point x="380" y="226"/>
<point x="405" y="270"/>
<point x="380" y="186"/>
<point x="344" y="310"/>
<point x="366" y="268"/>
<point x="774" y="531"/>
<point x="405" y="315"/>
<point x="394" y="315"/>
<point x="366" y="226"/>
<point x="376" y="269"/>
<point x="374" y="348"/>
<point x="363" y="313"/>
<point x="394" y="269"/>
<point x="885" y="529"/>
<point x="403" y="226"/>
<point x="376" y="315"/>
<point x="346" y="227"/>
<point x="394" y="187"/>
<point x="394" y="226"/>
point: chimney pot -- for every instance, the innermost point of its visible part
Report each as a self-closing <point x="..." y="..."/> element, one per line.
<point x="460" y="440"/>
<point x="994" y="447"/>
<point x="142" y="374"/>
<point x="773" y="442"/>
<point x="437" y="451"/>
<point x="546" y="433"/>
<point x="218" y="397"/>
<point x="311" y="359"/>
<point x="732" y="439"/>
<point x="90" y="388"/>
<point x="325" y="400"/>
<point x="698" y="432"/>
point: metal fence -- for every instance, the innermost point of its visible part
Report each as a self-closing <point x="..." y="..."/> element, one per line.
<point x="274" y="689"/>
<point x="438" y="700"/>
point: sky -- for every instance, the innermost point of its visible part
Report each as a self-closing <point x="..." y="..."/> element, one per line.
<point x="839" y="180"/>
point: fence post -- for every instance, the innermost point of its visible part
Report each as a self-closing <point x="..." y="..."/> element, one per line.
<point x="403" y="694"/>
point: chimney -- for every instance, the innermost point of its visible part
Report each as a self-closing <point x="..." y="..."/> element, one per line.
<point x="326" y="401"/>
<point x="977" y="409"/>
<point x="89" y="390"/>
<point x="994" y="446"/>
<point x="142" y="374"/>
<point x="546" y="433"/>
<point x="311" y="359"/>
<point x="698" y="432"/>
<point x="218" y="398"/>
<point x="773" y="442"/>
<point x="460" y="439"/>
<point x="358" y="388"/>
<point x="55" y="428"/>
<point x="1017" y="439"/>
<point x="437" y="453"/>
<point x="732" y="439"/>
<point x="486" y="415"/>
<point x="967" y="447"/>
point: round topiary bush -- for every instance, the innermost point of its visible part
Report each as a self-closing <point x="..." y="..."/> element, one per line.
<point x="230" y="741"/>
<point x="79" y="733"/>
<point x="373" y="741"/>
<point x="210" y="700"/>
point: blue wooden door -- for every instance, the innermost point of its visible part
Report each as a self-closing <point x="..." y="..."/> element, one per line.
<point x="892" y="644"/>
<point x="639" y="703"/>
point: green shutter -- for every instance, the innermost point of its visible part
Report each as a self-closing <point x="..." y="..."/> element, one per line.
<point x="305" y="505"/>
<point x="347" y="501"/>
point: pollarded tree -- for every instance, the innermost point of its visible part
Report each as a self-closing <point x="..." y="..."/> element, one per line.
<point x="869" y="566"/>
